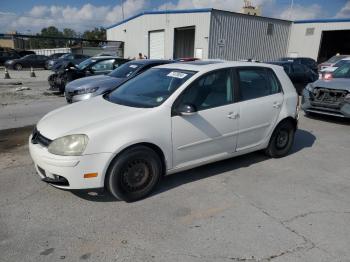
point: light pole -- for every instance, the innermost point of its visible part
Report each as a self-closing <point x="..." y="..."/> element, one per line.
<point x="122" y="8"/>
<point x="291" y="9"/>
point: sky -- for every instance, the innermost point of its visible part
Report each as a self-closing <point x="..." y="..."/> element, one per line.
<point x="29" y="16"/>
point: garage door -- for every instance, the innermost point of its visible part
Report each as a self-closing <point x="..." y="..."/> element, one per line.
<point x="156" y="45"/>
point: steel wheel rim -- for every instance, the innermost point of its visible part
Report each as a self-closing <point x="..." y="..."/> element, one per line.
<point x="136" y="175"/>
<point x="282" y="139"/>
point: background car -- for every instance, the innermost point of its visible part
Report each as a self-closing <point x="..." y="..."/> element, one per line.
<point x="329" y="97"/>
<point x="326" y="72"/>
<point x="299" y="74"/>
<point x="331" y="61"/>
<point x="87" y="87"/>
<point x="307" y="61"/>
<point x="28" y="61"/>
<point x="54" y="64"/>
<point x="92" y="66"/>
<point x="7" y="55"/>
<point x="53" y="58"/>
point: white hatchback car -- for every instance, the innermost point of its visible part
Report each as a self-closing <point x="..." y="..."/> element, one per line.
<point x="170" y="118"/>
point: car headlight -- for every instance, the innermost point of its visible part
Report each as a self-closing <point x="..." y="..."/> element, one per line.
<point x="72" y="145"/>
<point x="309" y="88"/>
<point x="85" y="90"/>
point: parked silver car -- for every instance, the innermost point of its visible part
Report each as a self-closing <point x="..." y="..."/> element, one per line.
<point x="329" y="97"/>
<point x="87" y="87"/>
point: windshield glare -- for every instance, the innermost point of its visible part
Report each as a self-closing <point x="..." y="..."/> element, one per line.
<point x="335" y="58"/>
<point x="149" y="89"/>
<point x="125" y="70"/>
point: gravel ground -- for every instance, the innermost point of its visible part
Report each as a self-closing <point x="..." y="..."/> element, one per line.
<point x="249" y="208"/>
<point x="24" y="107"/>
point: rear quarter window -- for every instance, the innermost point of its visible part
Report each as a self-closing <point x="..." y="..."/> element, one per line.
<point x="257" y="82"/>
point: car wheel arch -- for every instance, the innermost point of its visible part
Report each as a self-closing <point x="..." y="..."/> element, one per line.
<point x="152" y="146"/>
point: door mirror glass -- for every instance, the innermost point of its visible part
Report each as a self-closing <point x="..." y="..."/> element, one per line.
<point x="186" y="109"/>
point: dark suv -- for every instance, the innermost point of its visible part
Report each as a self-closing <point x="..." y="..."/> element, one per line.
<point x="309" y="62"/>
<point x="299" y="74"/>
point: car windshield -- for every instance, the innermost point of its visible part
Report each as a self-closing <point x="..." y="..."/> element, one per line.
<point x="341" y="63"/>
<point x="149" y="89"/>
<point x="86" y="63"/>
<point x="342" y="72"/>
<point x="125" y="70"/>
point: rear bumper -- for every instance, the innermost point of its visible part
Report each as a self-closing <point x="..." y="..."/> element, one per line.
<point x="342" y="110"/>
<point x="67" y="172"/>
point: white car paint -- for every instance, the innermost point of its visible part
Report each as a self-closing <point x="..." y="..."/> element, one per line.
<point x="186" y="141"/>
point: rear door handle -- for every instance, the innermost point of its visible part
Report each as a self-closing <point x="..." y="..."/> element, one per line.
<point x="277" y="105"/>
<point x="233" y="115"/>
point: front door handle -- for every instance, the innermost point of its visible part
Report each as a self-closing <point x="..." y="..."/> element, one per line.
<point x="233" y="115"/>
<point x="277" y="105"/>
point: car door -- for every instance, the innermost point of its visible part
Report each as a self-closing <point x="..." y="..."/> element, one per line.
<point x="102" y="67"/>
<point x="211" y="131"/>
<point x="260" y="103"/>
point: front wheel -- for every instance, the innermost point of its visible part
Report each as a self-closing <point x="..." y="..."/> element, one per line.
<point x="134" y="174"/>
<point x="18" y="67"/>
<point x="281" y="140"/>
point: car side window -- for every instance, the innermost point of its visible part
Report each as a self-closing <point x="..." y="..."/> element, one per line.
<point x="257" y="82"/>
<point x="211" y="90"/>
<point x="103" y="65"/>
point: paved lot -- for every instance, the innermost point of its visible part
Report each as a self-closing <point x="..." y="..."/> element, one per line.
<point x="249" y="208"/>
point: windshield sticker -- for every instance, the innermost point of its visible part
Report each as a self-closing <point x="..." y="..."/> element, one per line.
<point x="177" y="75"/>
<point x="159" y="99"/>
<point x="133" y="66"/>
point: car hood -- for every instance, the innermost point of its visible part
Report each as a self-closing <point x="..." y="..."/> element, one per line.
<point x="83" y="117"/>
<point x="104" y="82"/>
<point x="335" y="83"/>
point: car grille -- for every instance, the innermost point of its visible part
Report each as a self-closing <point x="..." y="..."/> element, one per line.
<point x="38" y="138"/>
<point x="328" y="97"/>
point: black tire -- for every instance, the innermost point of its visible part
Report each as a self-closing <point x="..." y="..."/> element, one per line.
<point x="134" y="174"/>
<point x="18" y="67"/>
<point x="282" y="140"/>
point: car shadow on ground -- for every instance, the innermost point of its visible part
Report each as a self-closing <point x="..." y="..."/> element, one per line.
<point x="303" y="139"/>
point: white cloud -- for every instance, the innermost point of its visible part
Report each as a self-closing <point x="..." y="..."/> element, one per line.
<point x="235" y="6"/>
<point x="300" y="12"/>
<point x="83" y="18"/>
<point x="344" y="12"/>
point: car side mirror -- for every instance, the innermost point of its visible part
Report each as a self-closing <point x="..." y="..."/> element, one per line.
<point x="186" y="110"/>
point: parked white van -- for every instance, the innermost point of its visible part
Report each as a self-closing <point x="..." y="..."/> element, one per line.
<point x="168" y="119"/>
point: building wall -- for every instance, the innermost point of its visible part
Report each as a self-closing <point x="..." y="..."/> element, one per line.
<point x="235" y="36"/>
<point x="308" y="45"/>
<point x="136" y="31"/>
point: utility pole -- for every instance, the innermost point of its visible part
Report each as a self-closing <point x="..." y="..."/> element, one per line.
<point x="122" y="9"/>
<point x="291" y="9"/>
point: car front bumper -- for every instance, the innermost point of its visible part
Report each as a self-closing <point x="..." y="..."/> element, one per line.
<point x="343" y="110"/>
<point x="67" y="172"/>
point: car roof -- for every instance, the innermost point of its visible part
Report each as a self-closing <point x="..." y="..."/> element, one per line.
<point x="149" y="61"/>
<point x="105" y="57"/>
<point x="203" y="67"/>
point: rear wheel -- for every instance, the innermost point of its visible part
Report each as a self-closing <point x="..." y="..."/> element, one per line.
<point x="18" y="67"/>
<point x="134" y="174"/>
<point x="281" y="140"/>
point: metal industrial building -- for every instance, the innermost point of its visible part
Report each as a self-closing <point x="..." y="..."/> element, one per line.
<point x="202" y="33"/>
<point x="320" y="39"/>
